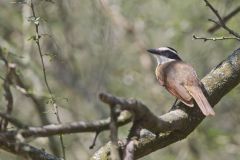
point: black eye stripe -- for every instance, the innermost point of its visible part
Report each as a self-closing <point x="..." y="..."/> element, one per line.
<point x="166" y="52"/>
<point x="171" y="55"/>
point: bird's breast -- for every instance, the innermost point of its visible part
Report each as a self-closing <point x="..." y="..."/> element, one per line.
<point x="169" y="71"/>
<point x="176" y="72"/>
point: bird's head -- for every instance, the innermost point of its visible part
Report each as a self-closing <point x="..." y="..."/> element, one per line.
<point x="164" y="54"/>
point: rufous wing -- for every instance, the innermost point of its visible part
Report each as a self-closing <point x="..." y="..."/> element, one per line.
<point x="181" y="93"/>
<point x="202" y="102"/>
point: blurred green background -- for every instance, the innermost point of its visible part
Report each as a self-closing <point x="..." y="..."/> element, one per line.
<point x="98" y="45"/>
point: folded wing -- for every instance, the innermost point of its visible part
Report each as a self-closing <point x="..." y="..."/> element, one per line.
<point x="202" y="102"/>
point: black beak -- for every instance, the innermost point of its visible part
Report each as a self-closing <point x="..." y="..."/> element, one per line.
<point x="153" y="51"/>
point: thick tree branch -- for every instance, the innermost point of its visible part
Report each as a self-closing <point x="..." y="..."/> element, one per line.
<point x="147" y="119"/>
<point x="182" y="120"/>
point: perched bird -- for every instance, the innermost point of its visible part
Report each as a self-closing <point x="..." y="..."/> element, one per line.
<point x="180" y="79"/>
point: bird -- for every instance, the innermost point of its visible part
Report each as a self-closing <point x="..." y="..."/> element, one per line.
<point x="180" y="79"/>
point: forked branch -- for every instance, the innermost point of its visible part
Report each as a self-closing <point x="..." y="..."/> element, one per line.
<point x="221" y="21"/>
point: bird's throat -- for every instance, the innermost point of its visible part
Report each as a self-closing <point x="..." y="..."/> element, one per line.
<point x="163" y="59"/>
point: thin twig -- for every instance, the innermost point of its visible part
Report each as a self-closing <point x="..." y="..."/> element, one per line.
<point x="60" y="135"/>
<point x="215" y="38"/>
<point x="37" y="39"/>
<point x="225" y="19"/>
<point x="221" y="22"/>
<point x="94" y="140"/>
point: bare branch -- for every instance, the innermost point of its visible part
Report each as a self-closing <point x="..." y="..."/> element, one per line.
<point x="221" y="21"/>
<point x="94" y="140"/>
<point x="74" y="127"/>
<point x="215" y="38"/>
<point x="225" y="20"/>
<point x="167" y="122"/>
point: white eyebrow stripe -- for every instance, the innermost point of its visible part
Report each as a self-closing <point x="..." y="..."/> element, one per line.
<point x="166" y="49"/>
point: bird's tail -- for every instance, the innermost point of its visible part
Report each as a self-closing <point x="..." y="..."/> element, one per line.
<point x="201" y="100"/>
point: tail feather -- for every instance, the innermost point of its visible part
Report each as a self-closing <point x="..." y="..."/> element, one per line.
<point x="201" y="100"/>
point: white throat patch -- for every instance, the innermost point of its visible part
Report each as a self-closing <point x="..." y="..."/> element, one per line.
<point x="162" y="59"/>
